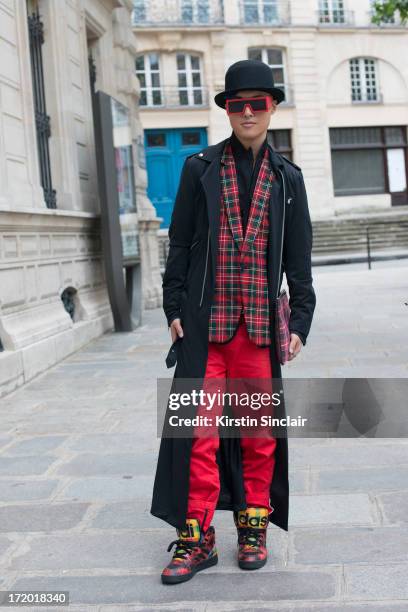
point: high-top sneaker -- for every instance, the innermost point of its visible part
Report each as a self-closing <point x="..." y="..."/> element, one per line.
<point x="251" y="526"/>
<point x="195" y="551"/>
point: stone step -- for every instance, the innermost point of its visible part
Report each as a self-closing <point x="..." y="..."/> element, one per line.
<point x="362" y="236"/>
<point x="377" y="231"/>
<point x="359" y="227"/>
<point x="327" y="250"/>
<point x="345" y="239"/>
<point x="386" y="231"/>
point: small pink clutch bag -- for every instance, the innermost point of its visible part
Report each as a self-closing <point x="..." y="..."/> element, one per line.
<point x="282" y="309"/>
<point x="282" y="333"/>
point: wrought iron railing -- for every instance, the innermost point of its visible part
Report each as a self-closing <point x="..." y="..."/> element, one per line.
<point x="174" y="97"/>
<point x="373" y="98"/>
<point x="177" y="13"/>
<point x="264" y="12"/>
<point x="42" y="120"/>
<point x="335" y="17"/>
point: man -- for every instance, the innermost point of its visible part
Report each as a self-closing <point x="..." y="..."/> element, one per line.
<point x="223" y="273"/>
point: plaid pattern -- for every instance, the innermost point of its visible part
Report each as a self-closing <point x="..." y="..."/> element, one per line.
<point x="241" y="282"/>
<point x="251" y="526"/>
<point x="195" y="551"/>
<point x="282" y="333"/>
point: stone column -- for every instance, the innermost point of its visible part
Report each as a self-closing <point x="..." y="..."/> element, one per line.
<point x="311" y="134"/>
<point x="128" y="84"/>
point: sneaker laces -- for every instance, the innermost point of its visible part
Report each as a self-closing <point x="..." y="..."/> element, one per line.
<point x="250" y="537"/>
<point x="183" y="548"/>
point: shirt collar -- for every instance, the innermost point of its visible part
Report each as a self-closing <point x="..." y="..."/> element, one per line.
<point x="239" y="150"/>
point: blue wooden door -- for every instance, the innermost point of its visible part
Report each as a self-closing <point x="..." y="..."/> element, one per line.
<point x="166" y="151"/>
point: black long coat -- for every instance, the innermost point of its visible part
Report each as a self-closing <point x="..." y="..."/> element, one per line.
<point x="188" y="286"/>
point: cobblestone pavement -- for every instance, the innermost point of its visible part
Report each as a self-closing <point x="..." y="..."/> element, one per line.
<point x="77" y="455"/>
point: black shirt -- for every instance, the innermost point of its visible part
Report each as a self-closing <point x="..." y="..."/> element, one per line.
<point x="247" y="173"/>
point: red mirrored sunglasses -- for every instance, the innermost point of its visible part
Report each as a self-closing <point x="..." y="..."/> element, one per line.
<point x="258" y="105"/>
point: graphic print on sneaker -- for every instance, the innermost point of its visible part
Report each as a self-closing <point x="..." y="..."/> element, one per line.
<point x="191" y="532"/>
<point x="251" y="526"/>
<point x="253" y="517"/>
<point x="194" y="551"/>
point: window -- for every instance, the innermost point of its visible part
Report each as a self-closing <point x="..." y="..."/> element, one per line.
<point x="139" y="11"/>
<point x="156" y="139"/>
<point x="359" y="158"/>
<point x="331" y="11"/>
<point x="363" y="77"/>
<point x="195" y="11"/>
<point x="187" y="91"/>
<point x="171" y="12"/>
<point x="148" y="73"/>
<point x="260" y="11"/>
<point x="42" y="119"/>
<point x="190" y="138"/>
<point x="274" y="59"/>
<point x="280" y="141"/>
<point x="189" y="80"/>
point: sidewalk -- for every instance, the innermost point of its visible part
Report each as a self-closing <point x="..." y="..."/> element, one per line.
<point x="77" y="456"/>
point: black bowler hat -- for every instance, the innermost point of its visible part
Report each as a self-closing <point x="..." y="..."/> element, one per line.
<point x="248" y="74"/>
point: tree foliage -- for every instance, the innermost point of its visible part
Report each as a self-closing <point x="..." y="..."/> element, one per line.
<point x="385" y="10"/>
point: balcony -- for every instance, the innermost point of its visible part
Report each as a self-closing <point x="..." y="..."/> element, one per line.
<point x="179" y="13"/>
<point x="174" y="98"/>
<point x="335" y="18"/>
<point x="264" y="13"/>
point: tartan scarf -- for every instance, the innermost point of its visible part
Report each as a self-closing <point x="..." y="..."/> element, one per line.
<point x="241" y="282"/>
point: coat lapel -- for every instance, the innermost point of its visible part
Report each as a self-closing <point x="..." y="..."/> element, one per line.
<point x="210" y="181"/>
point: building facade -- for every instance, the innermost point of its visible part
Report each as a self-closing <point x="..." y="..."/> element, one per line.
<point x="53" y="293"/>
<point x="344" y="119"/>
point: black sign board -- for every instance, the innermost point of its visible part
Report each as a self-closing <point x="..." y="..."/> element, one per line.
<point x="120" y="239"/>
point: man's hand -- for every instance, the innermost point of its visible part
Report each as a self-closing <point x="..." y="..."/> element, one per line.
<point x="176" y="330"/>
<point x="295" y="346"/>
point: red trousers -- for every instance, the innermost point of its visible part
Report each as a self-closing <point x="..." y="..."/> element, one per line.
<point x="238" y="358"/>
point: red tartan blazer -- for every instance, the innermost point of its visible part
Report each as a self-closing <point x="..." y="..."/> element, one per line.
<point x="241" y="281"/>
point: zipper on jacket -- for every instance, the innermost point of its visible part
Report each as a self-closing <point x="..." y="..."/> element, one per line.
<point x="282" y="233"/>
<point x="205" y="270"/>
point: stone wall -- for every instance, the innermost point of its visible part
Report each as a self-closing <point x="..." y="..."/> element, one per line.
<point x="46" y="251"/>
